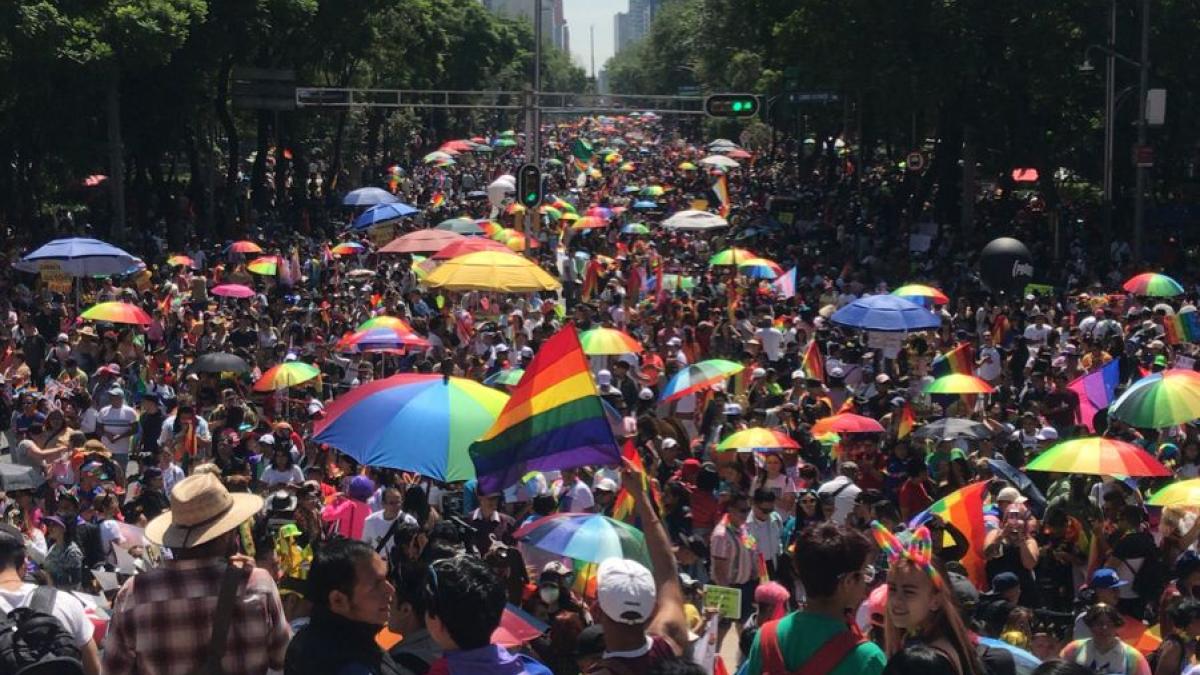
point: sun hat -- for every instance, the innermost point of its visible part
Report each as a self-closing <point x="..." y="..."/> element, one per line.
<point x="625" y="591"/>
<point x="201" y="510"/>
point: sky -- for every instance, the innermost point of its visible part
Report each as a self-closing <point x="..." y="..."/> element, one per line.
<point x="582" y="14"/>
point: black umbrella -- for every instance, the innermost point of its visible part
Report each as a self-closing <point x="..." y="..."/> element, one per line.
<point x="1019" y="480"/>
<point x="19" y="477"/>
<point x="220" y="362"/>
<point x="953" y="427"/>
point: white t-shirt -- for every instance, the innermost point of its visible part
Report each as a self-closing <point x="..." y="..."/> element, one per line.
<point x="116" y="420"/>
<point x="578" y="497"/>
<point x="1036" y="333"/>
<point x="989" y="370"/>
<point x="843" y="503"/>
<point x="772" y="340"/>
<point x="376" y="526"/>
<point x="67" y="609"/>
<point x="272" y="476"/>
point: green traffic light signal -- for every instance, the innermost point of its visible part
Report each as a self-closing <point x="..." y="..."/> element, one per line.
<point x="529" y="184"/>
<point x="731" y="105"/>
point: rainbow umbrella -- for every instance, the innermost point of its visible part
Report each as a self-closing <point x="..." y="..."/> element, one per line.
<point x="380" y="339"/>
<point x="585" y="536"/>
<point x="760" y="268"/>
<point x="563" y="205"/>
<point x="1179" y="493"/>
<point x="547" y="210"/>
<point x="244" y="246"/>
<point x="508" y="377"/>
<point x="757" y="438"/>
<point x="568" y="217"/>
<point x="958" y="383"/>
<point x="233" y="291"/>
<point x="597" y="211"/>
<point x="731" y="256"/>
<point x="468" y="245"/>
<point x="687" y="166"/>
<point x="267" y="265"/>
<point x="514" y="209"/>
<point x="378" y="422"/>
<point x="437" y="156"/>
<point x="699" y="376"/>
<point x="589" y="222"/>
<point x="846" y="423"/>
<point x="386" y="321"/>
<point x="1154" y="284"/>
<point x="181" y="260"/>
<point x="628" y="167"/>
<point x="348" y="248"/>
<point x="635" y="228"/>
<point x="1160" y="400"/>
<point x="287" y="374"/>
<point x="923" y="292"/>
<point x="517" y="627"/>
<point x="117" y="312"/>
<point x="652" y="191"/>
<point x="608" y="341"/>
<point x="1098" y="456"/>
<point x="504" y="143"/>
<point x="518" y="242"/>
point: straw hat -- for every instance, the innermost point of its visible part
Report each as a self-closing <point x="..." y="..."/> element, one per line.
<point x="201" y="510"/>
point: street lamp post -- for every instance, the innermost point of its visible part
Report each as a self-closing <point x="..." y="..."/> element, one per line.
<point x="1139" y="203"/>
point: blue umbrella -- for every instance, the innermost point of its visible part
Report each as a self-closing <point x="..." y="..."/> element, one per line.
<point x="645" y="204"/>
<point x="886" y="313"/>
<point x="1020" y="481"/>
<point x="1023" y="660"/>
<point x="369" y="196"/>
<point x="79" y="257"/>
<point x="382" y="213"/>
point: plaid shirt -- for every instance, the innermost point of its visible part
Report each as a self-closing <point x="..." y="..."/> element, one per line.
<point x="162" y="622"/>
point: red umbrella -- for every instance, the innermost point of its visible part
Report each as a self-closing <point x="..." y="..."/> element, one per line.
<point x="245" y="246"/>
<point x="467" y="245"/>
<point x="846" y="423"/>
<point x="517" y="628"/>
<point x="421" y="241"/>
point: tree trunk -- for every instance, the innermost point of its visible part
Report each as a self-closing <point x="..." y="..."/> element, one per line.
<point x="116" y="156"/>
<point x="335" y="163"/>
<point x="967" y="221"/>
<point x="258" y="174"/>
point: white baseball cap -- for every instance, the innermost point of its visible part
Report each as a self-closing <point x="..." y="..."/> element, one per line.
<point x="604" y="378"/>
<point x="625" y="591"/>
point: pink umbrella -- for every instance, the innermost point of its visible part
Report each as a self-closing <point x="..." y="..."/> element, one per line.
<point x="233" y="291"/>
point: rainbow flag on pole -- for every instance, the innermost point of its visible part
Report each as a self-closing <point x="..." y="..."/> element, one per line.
<point x="720" y="188"/>
<point x="1183" y="327"/>
<point x="963" y="509"/>
<point x="554" y="420"/>
<point x="812" y="363"/>
<point x="957" y="360"/>
<point x="907" y="419"/>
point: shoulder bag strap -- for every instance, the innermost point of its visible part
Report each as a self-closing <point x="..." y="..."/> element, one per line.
<point x="768" y="650"/>
<point x="830" y="654"/>
<point x="43" y="600"/>
<point x="221" y="619"/>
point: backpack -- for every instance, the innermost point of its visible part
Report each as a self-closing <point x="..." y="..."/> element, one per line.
<point x="827" y="657"/>
<point x="34" y="642"/>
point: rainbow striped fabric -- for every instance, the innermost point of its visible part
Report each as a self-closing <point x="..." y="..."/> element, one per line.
<point x="1183" y="327"/>
<point x="963" y="508"/>
<point x="554" y="420"/>
<point x="957" y="360"/>
<point x="907" y="420"/>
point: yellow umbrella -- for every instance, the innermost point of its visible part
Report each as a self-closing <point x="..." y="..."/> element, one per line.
<point x="491" y="271"/>
<point x="1179" y="493"/>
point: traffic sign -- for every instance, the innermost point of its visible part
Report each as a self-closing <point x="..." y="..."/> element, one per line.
<point x="915" y="161"/>
<point x="731" y="105"/>
<point x="529" y="186"/>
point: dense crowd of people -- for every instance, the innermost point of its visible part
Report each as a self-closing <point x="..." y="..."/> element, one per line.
<point x="173" y="520"/>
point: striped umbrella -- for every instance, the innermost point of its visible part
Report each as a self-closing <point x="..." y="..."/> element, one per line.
<point x="731" y="256"/>
<point x="268" y="265"/>
<point x="757" y="438"/>
<point x="922" y="292"/>
<point x="1098" y="456"/>
<point x="117" y="312"/>
<point x="606" y="341"/>
<point x="386" y="321"/>
<point x="1160" y="400"/>
<point x="287" y="374"/>
<point x="958" y="383"/>
<point x="507" y="377"/>
<point x="1153" y="284"/>
<point x="846" y="423"/>
<point x="1179" y="493"/>
<point x="699" y="376"/>
<point x="244" y="246"/>
<point x="585" y="536"/>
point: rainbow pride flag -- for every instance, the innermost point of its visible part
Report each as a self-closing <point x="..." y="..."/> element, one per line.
<point x="720" y="188"/>
<point x="623" y="504"/>
<point x="1183" y="327"/>
<point x="812" y="363"/>
<point x="554" y="420"/>
<point x="785" y="285"/>
<point x="907" y="419"/>
<point x="963" y="509"/>
<point x="957" y="360"/>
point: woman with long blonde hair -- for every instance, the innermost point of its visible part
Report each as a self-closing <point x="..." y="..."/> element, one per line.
<point x="920" y="604"/>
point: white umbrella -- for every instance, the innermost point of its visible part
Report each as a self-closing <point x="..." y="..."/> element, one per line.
<point x="722" y="141"/>
<point x="721" y="161"/>
<point x="694" y="220"/>
<point x="499" y="188"/>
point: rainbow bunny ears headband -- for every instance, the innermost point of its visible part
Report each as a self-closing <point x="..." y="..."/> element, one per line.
<point x="915" y="547"/>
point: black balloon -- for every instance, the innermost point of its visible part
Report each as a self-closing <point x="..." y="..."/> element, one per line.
<point x="1005" y="264"/>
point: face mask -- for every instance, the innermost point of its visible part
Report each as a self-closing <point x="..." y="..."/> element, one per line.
<point x="549" y="594"/>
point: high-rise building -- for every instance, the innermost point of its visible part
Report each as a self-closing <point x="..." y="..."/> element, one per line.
<point x="553" y="20"/>
<point x="634" y="24"/>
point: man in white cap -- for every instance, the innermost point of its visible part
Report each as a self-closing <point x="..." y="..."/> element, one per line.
<point x="116" y="425"/>
<point x="641" y="611"/>
<point x="163" y="619"/>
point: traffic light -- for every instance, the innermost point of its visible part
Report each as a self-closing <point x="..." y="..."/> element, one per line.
<point x="731" y="105"/>
<point x="529" y="186"/>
